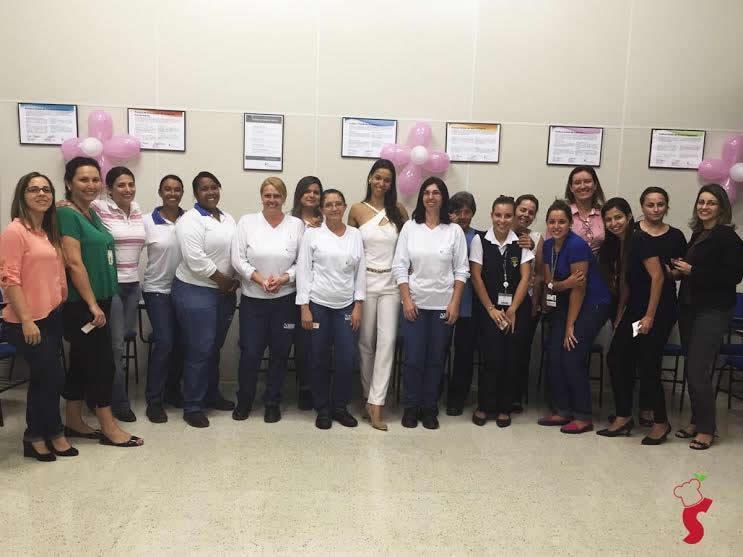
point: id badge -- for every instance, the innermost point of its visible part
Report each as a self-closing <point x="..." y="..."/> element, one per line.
<point x="505" y="299"/>
<point x="551" y="300"/>
<point x="110" y="256"/>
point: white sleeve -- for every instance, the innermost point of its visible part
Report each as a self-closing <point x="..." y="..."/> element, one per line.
<point x="304" y="270"/>
<point x="359" y="293"/>
<point x="527" y="255"/>
<point x="401" y="261"/>
<point x="292" y="271"/>
<point x="239" y="249"/>
<point x="476" y="249"/>
<point x="191" y="234"/>
<point x="460" y="264"/>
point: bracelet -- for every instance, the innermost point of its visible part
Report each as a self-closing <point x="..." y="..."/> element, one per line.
<point x="490" y="307"/>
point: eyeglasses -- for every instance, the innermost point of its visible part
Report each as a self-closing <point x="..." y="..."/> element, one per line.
<point x="34" y="190"/>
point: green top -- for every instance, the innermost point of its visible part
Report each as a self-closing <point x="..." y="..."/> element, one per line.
<point x="97" y="250"/>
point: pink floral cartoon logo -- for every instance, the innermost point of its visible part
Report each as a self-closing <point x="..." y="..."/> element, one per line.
<point x="694" y="503"/>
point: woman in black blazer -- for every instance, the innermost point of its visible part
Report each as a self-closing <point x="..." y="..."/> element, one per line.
<point x="712" y="269"/>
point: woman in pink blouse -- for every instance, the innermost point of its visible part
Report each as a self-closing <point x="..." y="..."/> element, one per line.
<point x="586" y="197"/>
<point x="33" y="280"/>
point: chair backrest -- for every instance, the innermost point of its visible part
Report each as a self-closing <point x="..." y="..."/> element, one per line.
<point x="738" y="305"/>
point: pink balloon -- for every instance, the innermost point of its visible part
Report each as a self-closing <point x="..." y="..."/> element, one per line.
<point x="399" y="155"/>
<point x="106" y="165"/>
<point x="732" y="151"/>
<point x="71" y="149"/>
<point x="713" y="170"/>
<point x="419" y="135"/>
<point x="437" y="162"/>
<point x="121" y="147"/>
<point x="409" y="180"/>
<point x="100" y="125"/>
<point x="731" y="188"/>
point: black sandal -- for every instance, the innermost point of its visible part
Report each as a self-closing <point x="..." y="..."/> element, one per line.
<point x="95" y="434"/>
<point x="683" y="434"/>
<point x="700" y="445"/>
<point x="133" y="441"/>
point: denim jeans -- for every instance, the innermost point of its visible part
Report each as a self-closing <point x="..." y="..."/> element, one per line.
<point x="333" y="333"/>
<point x="425" y="342"/>
<point x="204" y="315"/>
<point x="265" y="323"/>
<point x="43" y="421"/>
<point x="166" y="360"/>
<point x="123" y="320"/>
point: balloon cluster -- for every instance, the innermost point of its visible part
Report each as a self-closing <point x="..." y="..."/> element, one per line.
<point x="414" y="157"/>
<point x="101" y="144"/>
<point x="727" y="171"/>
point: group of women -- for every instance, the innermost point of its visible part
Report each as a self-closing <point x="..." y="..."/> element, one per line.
<point x="328" y="287"/>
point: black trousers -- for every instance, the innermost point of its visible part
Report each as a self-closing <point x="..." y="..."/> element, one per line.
<point x="46" y="377"/>
<point x="644" y="352"/>
<point x="702" y="332"/>
<point x="465" y="344"/>
<point x="524" y="357"/>
<point x="90" y="373"/>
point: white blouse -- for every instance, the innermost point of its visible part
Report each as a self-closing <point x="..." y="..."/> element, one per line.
<point x="163" y="253"/>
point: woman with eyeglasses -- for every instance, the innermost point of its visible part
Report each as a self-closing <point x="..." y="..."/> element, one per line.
<point x="710" y="273"/>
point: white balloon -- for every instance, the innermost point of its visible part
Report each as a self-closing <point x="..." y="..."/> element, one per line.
<point x="91" y="146"/>
<point x="736" y="172"/>
<point x="418" y="154"/>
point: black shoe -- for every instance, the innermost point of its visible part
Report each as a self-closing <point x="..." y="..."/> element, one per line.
<point x="30" y="452"/>
<point x="156" y="413"/>
<point x="272" y="413"/>
<point x="323" y="421"/>
<point x="647" y="440"/>
<point x="429" y="419"/>
<point x="196" y="419"/>
<point x="624" y="431"/>
<point x="344" y="417"/>
<point x="125" y="415"/>
<point x="72" y="451"/>
<point x="454" y="410"/>
<point x="241" y="412"/>
<point x="478" y="420"/>
<point x="221" y="404"/>
<point x="503" y="422"/>
<point x="133" y="441"/>
<point x="174" y="399"/>
<point x="410" y="417"/>
<point x="95" y="434"/>
<point x="304" y="400"/>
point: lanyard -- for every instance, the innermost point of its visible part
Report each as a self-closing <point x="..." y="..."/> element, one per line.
<point x="555" y="259"/>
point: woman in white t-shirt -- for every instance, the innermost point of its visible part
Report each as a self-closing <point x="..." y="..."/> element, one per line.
<point x="430" y="267"/>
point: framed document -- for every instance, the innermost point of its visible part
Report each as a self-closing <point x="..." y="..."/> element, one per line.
<point x="46" y="124"/>
<point x="473" y="142"/>
<point x="678" y="149"/>
<point x="364" y="137"/>
<point x="263" y="141"/>
<point x="158" y="130"/>
<point x="574" y="146"/>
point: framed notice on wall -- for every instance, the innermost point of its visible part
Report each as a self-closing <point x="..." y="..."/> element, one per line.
<point x="573" y="146"/>
<point x="472" y="142"/>
<point x="46" y="124"/>
<point x="158" y="130"/>
<point x="364" y="137"/>
<point x="263" y="141"/>
<point x="678" y="149"/>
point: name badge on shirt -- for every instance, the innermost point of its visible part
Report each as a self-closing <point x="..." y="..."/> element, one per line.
<point x="110" y="256"/>
<point x="505" y="299"/>
<point x="551" y="300"/>
<point x="289" y="326"/>
<point x="442" y="315"/>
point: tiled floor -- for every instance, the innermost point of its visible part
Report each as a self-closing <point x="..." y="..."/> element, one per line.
<point x="291" y="489"/>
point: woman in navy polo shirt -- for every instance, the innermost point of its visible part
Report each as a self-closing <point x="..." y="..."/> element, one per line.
<point x="580" y="303"/>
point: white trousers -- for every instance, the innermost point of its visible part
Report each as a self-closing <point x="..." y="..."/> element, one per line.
<point x="377" y="336"/>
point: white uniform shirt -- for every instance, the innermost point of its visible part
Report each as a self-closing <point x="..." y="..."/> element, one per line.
<point x="205" y="246"/>
<point x="476" y="246"/>
<point x="330" y="269"/>
<point x="430" y="260"/>
<point x="163" y="253"/>
<point x="258" y="246"/>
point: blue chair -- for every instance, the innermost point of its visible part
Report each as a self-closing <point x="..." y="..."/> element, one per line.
<point x="732" y="364"/>
<point x="7" y="352"/>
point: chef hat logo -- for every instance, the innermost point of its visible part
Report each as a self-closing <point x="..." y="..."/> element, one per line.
<point x="689" y="492"/>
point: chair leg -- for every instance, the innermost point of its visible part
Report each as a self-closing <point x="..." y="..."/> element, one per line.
<point x="675" y="377"/>
<point x="683" y="388"/>
<point x="136" y="362"/>
<point x="2" y="422"/>
<point x="730" y="386"/>
<point x="125" y="362"/>
<point x="601" y="380"/>
<point x="12" y="366"/>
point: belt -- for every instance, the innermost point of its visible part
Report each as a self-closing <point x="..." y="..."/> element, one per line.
<point x="378" y="271"/>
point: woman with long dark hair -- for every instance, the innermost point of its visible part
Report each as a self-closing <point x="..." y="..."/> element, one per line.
<point x="379" y="218"/>
<point x="710" y="272"/>
<point x="586" y="197"/>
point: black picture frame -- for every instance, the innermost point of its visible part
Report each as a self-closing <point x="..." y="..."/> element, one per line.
<point x="283" y="131"/>
<point x="343" y="121"/>
<point x="44" y="143"/>
<point x="185" y="128"/>
<point x="601" y="146"/>
<point x="446" y="140"/>
<point x="661" y="167"/>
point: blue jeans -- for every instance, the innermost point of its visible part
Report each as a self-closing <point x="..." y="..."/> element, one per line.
<point x="204" y="315"/>
<point x="46" y="377"/>
<point x="570" y="385"/>
<point x="166" y="361"/>
<point x="334" y="332"/>
<point x="265" y="323"/>
<point x="425" y="343"/>
<point x="123" y="320"/>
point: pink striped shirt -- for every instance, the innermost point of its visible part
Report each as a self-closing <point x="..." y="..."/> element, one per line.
<point x="129" y="236"/>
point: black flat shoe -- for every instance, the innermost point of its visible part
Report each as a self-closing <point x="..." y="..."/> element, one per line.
<point x="683" y="434"/>
<point x="478" y="420"/>
<point x="454" y="411"/>
<point x="503" y="422"/>
<point x="156" y="413"/>
<point x="304" y="401"/>
<point x="133" y="441"/>
<point x="429" y="419"/>
<point x="323" y="421"/>
<point x="221" y="404"/>
<point x="196" y="419"/>
<point x="272" y="414"/>
<point x="410" y="418"/>
<point x="30" y="452"/>
<point x="72" y="451"/>
<point x="345" y="418"/>
<point x="647" y="440"/>
<point x="125" y="415"/>
<point x="95" y="434"/>
<point x="624" y="431"/>
<point x="241" y="412"/>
